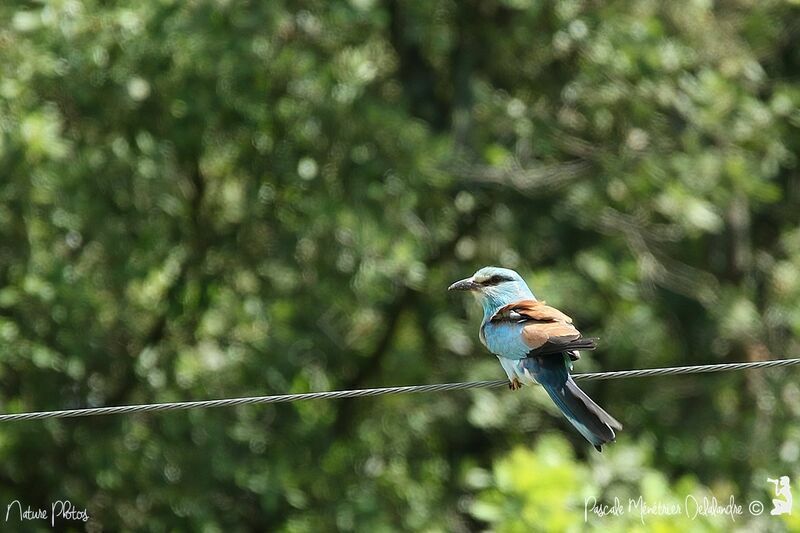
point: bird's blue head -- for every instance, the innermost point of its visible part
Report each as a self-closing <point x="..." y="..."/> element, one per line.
<point x="494" y="287"/>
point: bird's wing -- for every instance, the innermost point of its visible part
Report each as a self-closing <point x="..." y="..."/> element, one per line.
<point x="546" y="329"/>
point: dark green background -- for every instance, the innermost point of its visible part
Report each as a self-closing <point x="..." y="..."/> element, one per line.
<point x="205" y="199"/>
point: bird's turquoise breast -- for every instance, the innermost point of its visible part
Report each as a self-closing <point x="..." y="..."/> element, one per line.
<point x="505" y="339"/>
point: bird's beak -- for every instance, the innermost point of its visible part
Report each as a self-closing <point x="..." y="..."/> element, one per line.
<point x="463" y="285"/>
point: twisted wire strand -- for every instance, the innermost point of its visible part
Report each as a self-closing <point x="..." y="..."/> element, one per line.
<point x="361" y="393"/>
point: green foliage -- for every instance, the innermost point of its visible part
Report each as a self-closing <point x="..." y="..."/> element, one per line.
<point x="206" y="199"/>
<point x="545" y="488"/>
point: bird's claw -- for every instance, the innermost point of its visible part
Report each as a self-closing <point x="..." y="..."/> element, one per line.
<point x="514" y="384"/>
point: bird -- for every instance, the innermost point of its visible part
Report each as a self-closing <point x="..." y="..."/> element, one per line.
<point x="537" y="343"/>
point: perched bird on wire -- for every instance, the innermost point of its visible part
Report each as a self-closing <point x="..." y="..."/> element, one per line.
<point x="536" y="343"/>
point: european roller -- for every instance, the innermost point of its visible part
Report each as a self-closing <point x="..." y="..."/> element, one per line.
<point x="536" y="343"/>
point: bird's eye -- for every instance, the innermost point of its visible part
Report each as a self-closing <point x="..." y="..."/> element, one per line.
<point x="497" y="278"/>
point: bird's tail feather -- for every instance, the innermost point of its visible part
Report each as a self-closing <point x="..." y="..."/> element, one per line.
<point x="591" y="420"/>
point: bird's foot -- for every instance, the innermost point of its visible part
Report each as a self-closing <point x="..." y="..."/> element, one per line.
<point x="514" y="384"/>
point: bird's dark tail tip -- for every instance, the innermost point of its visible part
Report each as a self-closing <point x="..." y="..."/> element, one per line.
<point x="591" y="420"/>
